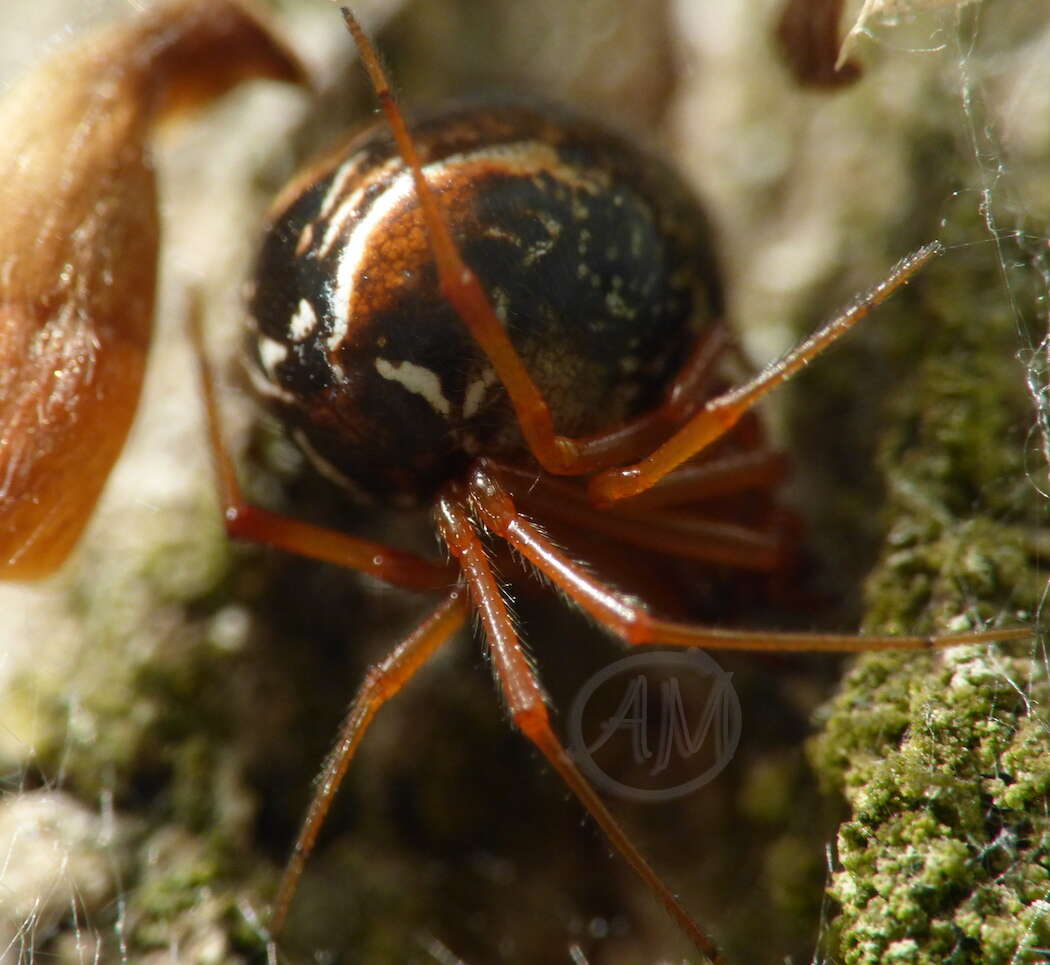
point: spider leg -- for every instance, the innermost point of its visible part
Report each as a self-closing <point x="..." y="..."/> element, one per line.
<point x="692" y="384"/>
<point x="382" y="682"/>
<point x="461" y="287"/>
<point x="256" y="525"/>
<point x="631" y="621"/>
<point x="737" y="472"/>
<point x="526" y="701"/>
<point x="671" y="533"/>
<point x="721" y="413"/>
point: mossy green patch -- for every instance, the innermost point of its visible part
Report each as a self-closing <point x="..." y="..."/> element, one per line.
<point x="945" y="758"/>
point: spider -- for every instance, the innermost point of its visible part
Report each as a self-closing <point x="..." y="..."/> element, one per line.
<point x="493" y="468"/>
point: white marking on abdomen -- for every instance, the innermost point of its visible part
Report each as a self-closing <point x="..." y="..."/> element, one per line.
<point x="476" y="392"/>
<point x="262" y="384"/>
<point x="516" y="157"/>
<point x="354" y="251"/>
<point x="417" y="380"/>
<point x="271" y="354"/>
<point x="303" y="322"/>
<point x="329" y="471"/>
<point x="347" y="170"/>
<point x="345" y="214"/>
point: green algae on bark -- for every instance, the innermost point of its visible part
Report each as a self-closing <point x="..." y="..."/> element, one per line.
<point x="945" y="758"/>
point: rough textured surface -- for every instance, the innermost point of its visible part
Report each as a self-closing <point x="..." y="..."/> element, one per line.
<point x="181" y="693"/>
<point x="945" y="759"/>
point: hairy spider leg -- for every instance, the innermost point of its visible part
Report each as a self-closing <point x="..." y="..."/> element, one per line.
<point x="526" y="701"/>
<point x="722" y="475"/>
<point x="670" y="533"/>
<point x="631" y="620"/>
<point x="382" y="681"/>
<point x="721" y="413"/>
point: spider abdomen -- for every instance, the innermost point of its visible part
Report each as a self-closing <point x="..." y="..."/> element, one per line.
<point x="595" y="258"/>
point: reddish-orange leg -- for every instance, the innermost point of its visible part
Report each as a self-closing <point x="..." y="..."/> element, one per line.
<point x="721" y="413"/>
<point x="734" y="473"/>
<point x="670" y="533"/>
<point x="559" y="454"/>
<point x="382" y="682"/>
<point x="526" y="702"/>
<point x="633" y="623"/>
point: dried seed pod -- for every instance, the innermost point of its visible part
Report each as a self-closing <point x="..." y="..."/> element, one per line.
<point x="78" y="252"/>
